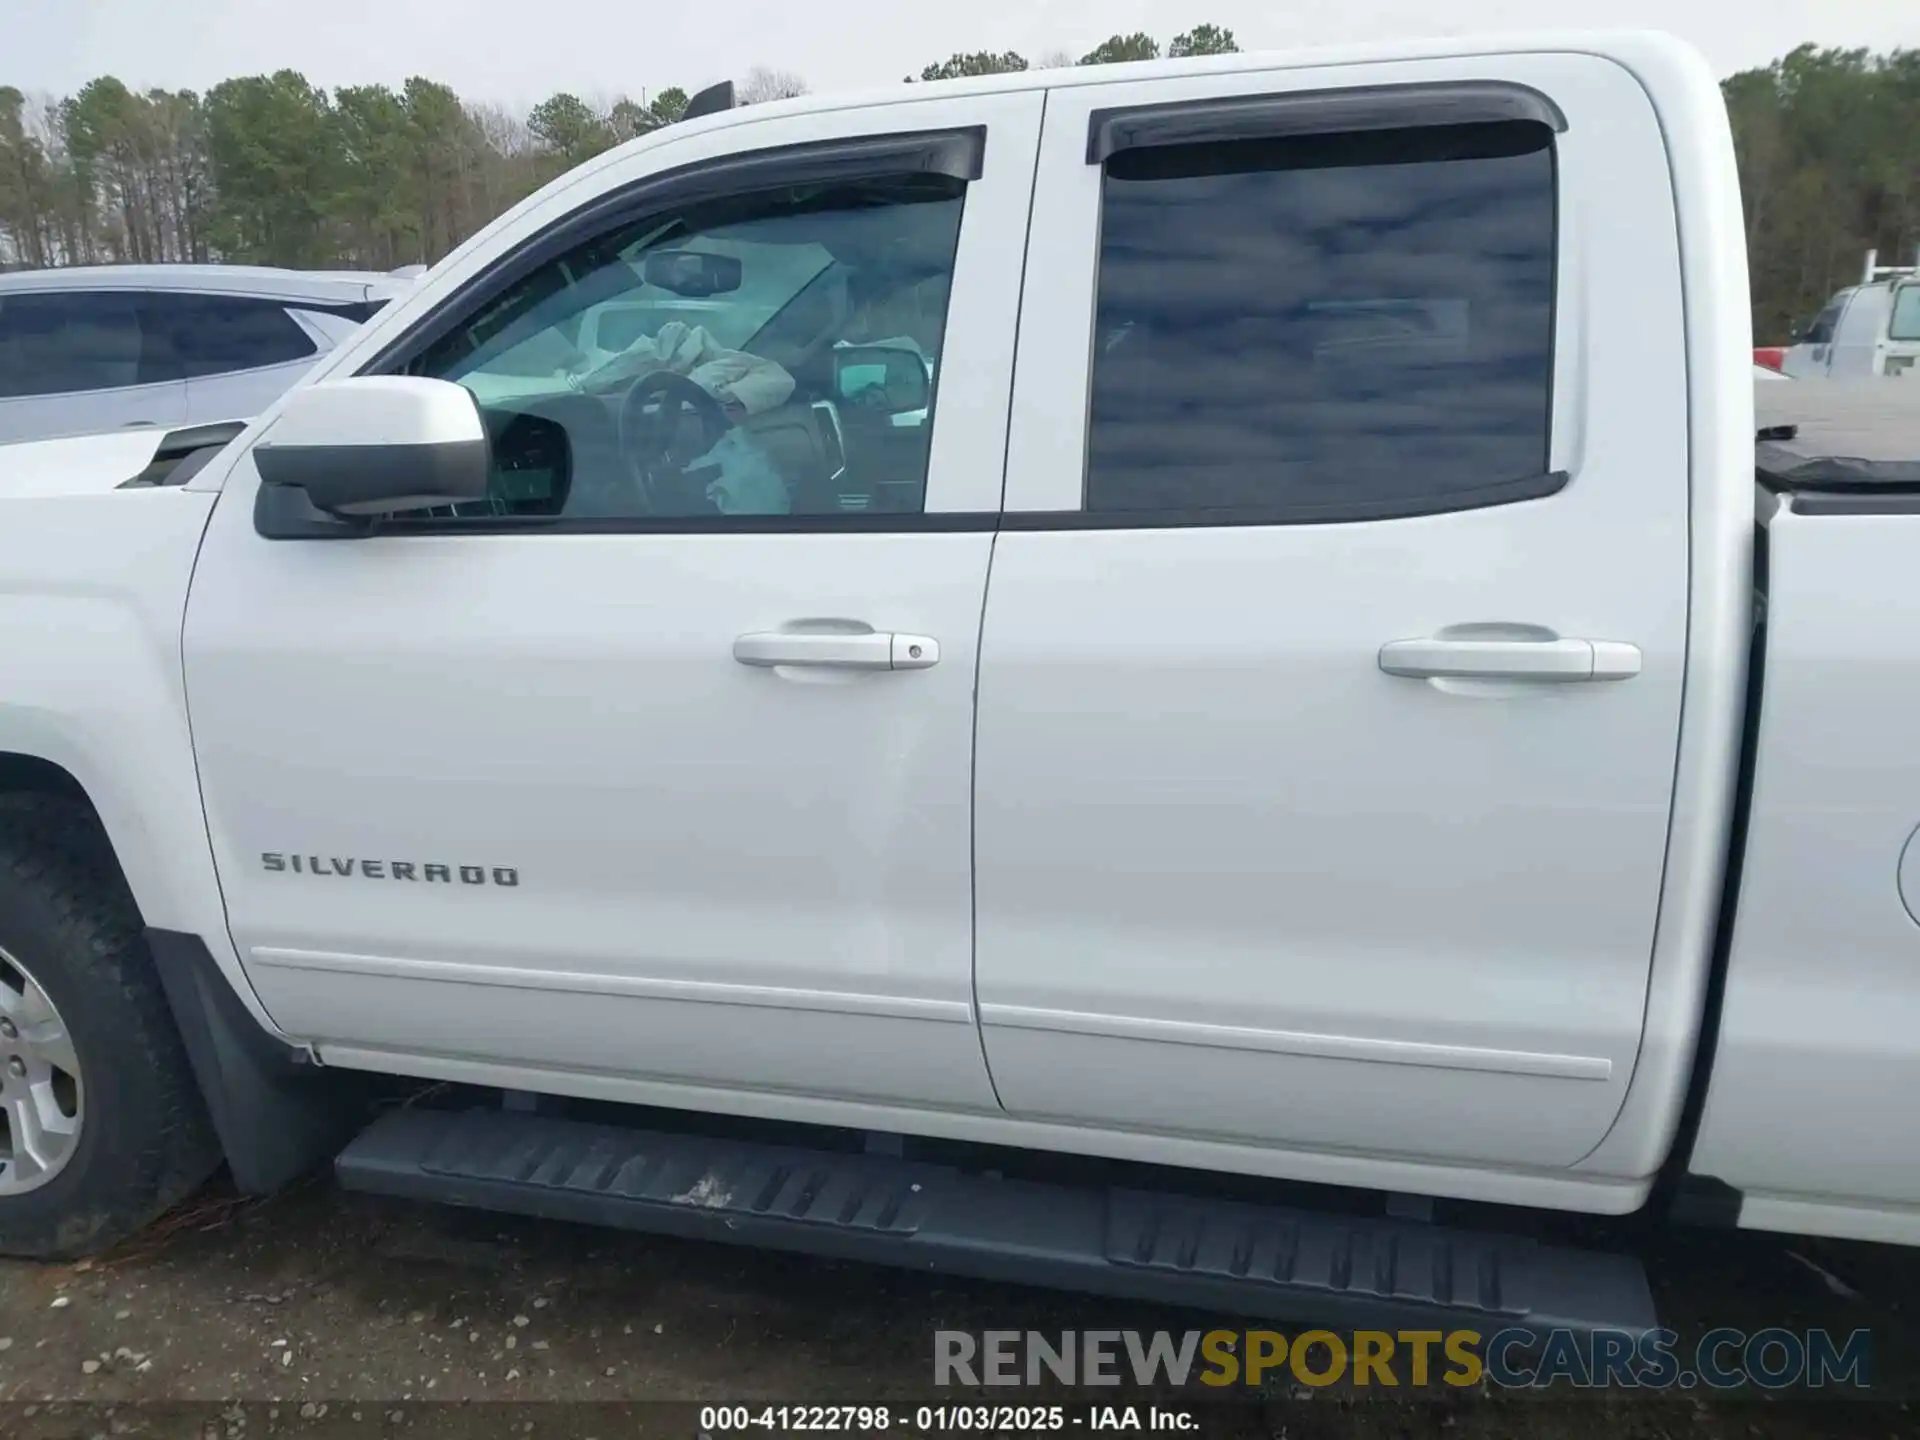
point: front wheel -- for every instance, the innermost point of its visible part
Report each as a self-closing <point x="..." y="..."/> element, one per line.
<point x="42" y="1104"/>
<point x="101" y="1126"/>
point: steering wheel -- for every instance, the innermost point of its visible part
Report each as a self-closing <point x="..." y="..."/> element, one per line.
<point x="650" y="422"/>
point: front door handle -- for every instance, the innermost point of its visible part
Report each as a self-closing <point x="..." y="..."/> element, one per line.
<point x="1558" y="660"/>
<point x="838" y="650"/>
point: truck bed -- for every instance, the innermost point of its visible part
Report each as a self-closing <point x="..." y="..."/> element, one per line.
<point x="1809" y="1120"/>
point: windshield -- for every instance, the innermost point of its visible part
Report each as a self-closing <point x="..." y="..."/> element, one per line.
<point x="566" y="336"/>
<point x="774" y="279"/>
<point x="1905" y="324"/>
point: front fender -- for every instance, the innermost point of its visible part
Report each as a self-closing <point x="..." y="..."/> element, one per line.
<point x="93" y="591"/>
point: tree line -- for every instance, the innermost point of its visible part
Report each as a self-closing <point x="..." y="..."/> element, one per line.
<point x="274" y="170"/>
<point x="1829" y="150"/>
<point x="271" y="169"/>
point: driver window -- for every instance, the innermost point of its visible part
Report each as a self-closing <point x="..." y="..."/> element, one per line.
<point x="770" y="353"/>
<point x="1820" y="330"/>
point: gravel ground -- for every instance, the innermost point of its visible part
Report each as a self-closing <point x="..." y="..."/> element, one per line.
<point x="322" y="1313"/>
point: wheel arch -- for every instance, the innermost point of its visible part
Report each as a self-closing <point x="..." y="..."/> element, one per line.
<point x="160" y="866"/>
<point x="34" y="775"/>
<point x="274" y="1113"/>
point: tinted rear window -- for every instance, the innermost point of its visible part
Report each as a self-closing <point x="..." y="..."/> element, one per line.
<point x="55" y="344"/>
<point x="1324" y="326"/>
<point x="359" y="311"/>
<point x="192" y="335"/>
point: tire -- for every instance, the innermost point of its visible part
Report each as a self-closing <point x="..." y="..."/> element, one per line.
<point x="138" y="1139"/>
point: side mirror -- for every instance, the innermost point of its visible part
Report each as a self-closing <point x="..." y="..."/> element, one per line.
<point x="881" y="377"/>
<point x="694" y="274"/>
<point x="375" y="444"/>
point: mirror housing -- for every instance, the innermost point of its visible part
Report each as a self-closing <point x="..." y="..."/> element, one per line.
<point x="376" y="444"/>
<point x="889" y="378"/>
<point x="692" y="274"/>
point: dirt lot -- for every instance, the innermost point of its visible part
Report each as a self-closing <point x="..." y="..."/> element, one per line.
<point x="321" y="1313"/>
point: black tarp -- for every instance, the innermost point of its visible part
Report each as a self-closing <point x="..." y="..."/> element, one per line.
<point x="1838" y="434"/>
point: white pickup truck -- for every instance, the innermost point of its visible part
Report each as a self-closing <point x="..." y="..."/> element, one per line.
<point x="1288" y="709"/>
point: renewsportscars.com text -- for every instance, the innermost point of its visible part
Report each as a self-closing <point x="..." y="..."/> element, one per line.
<point x="1724" y="1359"/>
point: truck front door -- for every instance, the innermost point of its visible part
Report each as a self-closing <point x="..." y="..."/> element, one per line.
<point x="1331" y="673"/>
<point x="656" y="765"/>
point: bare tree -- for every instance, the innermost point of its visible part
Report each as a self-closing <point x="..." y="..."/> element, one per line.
<point x="510" y="161"/>
<point x="763" y="84"/>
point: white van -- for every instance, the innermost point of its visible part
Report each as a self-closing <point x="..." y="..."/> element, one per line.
<point x="1872" y="328"/>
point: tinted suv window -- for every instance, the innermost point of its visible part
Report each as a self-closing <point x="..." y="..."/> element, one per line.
<point x="359" y="312"/>
<point x="192" y="335"/>
<point x="57" y="344"/>
<point x="1325" y="327"/>
<point x="770" y="353"/>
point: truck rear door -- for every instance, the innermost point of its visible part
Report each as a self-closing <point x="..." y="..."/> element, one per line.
<point x="1332" y="659"/>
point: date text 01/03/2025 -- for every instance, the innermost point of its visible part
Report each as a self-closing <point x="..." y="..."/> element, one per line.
<point x="723" y="1419"/>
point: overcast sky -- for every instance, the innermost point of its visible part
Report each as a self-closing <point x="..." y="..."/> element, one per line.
<point x="516" y="51"/>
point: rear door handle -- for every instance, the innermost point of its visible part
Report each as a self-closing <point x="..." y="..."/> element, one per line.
<point x="1553" y="661"/>
<point x="834" y="650"/>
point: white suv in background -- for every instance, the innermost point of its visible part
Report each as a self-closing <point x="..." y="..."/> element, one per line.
<point x="96" y="348"/>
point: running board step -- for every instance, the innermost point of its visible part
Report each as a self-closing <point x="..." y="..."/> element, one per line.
<point x="1246" y="1259"/>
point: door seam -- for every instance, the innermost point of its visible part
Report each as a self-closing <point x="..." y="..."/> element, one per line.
<point x="986" y="599"/>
